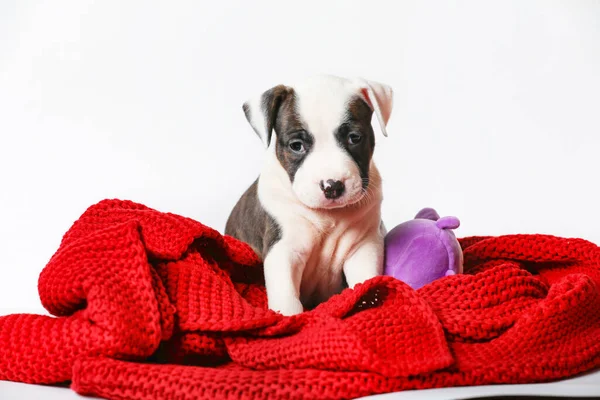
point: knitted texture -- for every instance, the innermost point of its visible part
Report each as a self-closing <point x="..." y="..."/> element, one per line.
<point x="152" y="305"/>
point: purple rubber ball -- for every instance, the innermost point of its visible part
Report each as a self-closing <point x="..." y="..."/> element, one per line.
<point x="424" y="249"/>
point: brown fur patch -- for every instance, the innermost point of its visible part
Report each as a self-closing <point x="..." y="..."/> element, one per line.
<point x="272" y="100"/>
<point x="289" y="127"/>
<point x="358" y="121"/>
<point x="250" y="223"/>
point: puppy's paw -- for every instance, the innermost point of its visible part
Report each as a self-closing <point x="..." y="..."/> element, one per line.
<point x="288" y="306"/>
<point x="365" y="263"/>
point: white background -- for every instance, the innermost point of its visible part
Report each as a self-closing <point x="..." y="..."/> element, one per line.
<point x="496" y="118"/>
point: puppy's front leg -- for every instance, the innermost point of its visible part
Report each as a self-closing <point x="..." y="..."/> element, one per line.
<point x="366" y="262"/>
<point x="283" y="274"/>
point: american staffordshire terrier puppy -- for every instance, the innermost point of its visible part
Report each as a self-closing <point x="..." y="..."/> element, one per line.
<point x="314" y="213"/>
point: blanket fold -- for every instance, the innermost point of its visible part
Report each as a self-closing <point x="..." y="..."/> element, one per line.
<point x="154" y="305"/>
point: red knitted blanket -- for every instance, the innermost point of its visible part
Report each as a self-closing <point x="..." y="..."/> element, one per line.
<point x="152" y="305"/>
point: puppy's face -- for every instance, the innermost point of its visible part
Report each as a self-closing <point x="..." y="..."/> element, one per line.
<point x="323" y="136"/>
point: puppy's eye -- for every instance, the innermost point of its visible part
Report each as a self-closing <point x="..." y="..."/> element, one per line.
<point x="297" y="146"/>
<point x="354" y="138"/>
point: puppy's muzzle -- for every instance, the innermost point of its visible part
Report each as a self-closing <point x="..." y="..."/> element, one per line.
<point x="332" y="189"/>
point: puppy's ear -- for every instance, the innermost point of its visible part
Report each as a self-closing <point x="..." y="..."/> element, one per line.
<point x="380" y="98"/>
<point x="261" y="111"/>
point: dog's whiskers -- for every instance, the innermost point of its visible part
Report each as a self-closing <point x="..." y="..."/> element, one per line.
<point x="368" y="195"/>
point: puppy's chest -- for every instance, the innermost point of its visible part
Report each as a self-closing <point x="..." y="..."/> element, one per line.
<point x="323" y="272"/>
<point x="330" y="250"/>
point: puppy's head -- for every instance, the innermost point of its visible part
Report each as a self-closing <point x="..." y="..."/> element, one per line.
<point x="323" y="136"/>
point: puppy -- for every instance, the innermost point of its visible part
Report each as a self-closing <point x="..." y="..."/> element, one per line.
<point x="314" y="213"/>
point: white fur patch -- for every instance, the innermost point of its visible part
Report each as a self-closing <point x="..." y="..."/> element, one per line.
<point x="322" y="102"/>
<point x="318" y="246"/>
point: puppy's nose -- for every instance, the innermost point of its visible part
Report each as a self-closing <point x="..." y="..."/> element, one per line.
<point x="332" y="189"/>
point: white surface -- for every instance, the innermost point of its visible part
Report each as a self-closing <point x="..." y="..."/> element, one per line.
<point x="19" y="391"/>
<point x="584" y="386"/>
<point x="587" y="385"/>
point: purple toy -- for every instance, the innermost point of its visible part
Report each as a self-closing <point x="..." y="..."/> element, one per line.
<point x="424" y="249"/>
